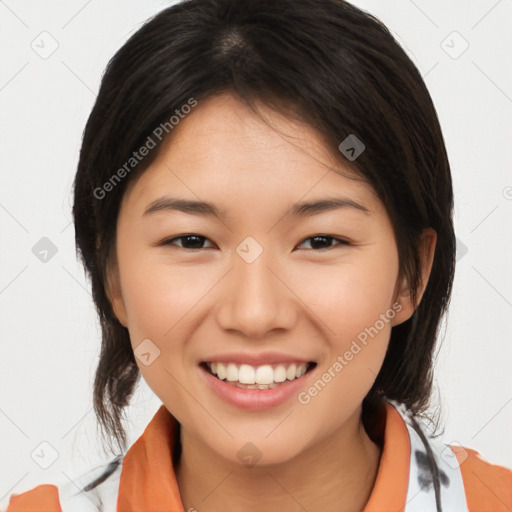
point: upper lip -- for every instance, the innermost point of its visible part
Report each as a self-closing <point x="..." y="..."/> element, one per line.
<point x="256" y="359"/>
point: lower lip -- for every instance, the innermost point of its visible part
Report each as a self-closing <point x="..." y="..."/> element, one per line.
<point x="255" y="399"/>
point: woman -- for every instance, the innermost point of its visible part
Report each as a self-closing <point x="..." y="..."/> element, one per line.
<point x="293" y="352"/>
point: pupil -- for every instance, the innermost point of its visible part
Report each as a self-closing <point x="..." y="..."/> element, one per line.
<point x="322" y="239"/>
<point x="198" y="241"/>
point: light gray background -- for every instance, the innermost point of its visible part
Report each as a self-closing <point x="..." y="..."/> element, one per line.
<point x="48" y="328"/>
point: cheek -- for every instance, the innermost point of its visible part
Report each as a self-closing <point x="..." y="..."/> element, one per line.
<point x="350" y="297"/>
<point x="355" y="312"/>
<point x="159" y="300"/>
<point x="158" y="296"/>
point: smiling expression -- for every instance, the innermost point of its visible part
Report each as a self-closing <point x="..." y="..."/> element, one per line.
<point x="247" y="246"/>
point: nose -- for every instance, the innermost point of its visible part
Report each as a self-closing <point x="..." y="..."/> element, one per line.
<point x="256" y="298"/>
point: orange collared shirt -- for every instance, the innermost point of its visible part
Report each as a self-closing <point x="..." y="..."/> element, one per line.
<point x="147" y="481"/>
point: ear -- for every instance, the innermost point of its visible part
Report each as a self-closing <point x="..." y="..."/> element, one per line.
<point x="402" y="291"/>
<point x="114" y="292"/>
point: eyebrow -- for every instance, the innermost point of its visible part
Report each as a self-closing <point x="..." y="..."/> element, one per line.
<point x="202" y="208"/>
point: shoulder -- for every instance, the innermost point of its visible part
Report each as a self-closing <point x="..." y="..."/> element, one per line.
<point x="460" y="475"/>
<point x="43" y="498"/>
<point x="488" y="486"/>
<point x="90" y="492"/>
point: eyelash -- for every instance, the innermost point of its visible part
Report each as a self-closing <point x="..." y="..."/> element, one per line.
<point x="330" y="237"/>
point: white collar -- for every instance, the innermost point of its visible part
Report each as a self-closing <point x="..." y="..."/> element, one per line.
<point x="442" y="471"/>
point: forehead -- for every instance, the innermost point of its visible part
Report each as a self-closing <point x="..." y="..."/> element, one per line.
<point x="222" y="127"/>
<point x="224" y="152"/>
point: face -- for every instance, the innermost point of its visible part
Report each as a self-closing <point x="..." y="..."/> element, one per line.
<point x="256" y="282"/>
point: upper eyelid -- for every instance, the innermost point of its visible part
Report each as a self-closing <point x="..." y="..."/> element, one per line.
<point x="342" y="241"/>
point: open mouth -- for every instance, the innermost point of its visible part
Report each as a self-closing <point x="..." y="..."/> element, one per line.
<point x="265" y="376"/>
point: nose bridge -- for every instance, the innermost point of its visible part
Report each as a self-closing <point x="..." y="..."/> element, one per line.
<point x="256" y="300"/>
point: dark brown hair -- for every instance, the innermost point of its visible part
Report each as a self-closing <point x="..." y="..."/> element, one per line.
<point x="325" y="62"/>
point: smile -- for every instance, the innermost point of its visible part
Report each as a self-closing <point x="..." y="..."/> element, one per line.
<point x="267" y="376"/>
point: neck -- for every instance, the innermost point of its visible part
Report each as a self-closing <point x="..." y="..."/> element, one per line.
<point x="339" y="469"/>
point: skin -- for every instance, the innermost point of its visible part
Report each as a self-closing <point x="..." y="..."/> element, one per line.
<point x="294" y="298"/>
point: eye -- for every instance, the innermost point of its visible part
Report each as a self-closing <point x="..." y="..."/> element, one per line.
<point x="194" y="241"/>
<point x="191" y="241"/>
<point x="323" y="241"/>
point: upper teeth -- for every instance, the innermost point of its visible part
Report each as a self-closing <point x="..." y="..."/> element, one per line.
<point x="247" y="374"/>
